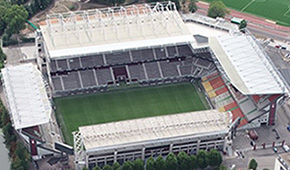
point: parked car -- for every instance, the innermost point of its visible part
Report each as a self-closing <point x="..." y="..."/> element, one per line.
<point x="275" y="149"/>
<point x="288" y="128"/>
<point x="286" y="148"/>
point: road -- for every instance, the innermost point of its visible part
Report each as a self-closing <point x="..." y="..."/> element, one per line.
<point x="256" y="24"/>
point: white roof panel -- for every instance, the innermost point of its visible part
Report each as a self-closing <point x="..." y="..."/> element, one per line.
<point x="26" y="95"/>
<point x="247" y="67"/>
<point x="117" y="28"/>
<point x="155" y="128"/>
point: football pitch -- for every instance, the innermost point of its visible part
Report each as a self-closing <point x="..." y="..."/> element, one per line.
<point x="276" y="10"/>
<point x="90" y="109"/>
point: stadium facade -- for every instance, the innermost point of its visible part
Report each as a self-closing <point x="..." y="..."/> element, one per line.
<point x="151" y="44"/>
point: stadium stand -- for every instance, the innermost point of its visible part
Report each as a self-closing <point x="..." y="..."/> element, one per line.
<point x="160" y="53"/>
<point x="74" y="63"/>
<point x="117" y="58"/>
<point x="169" y="69"/>
<point x="104" y="75"/>
<point x="153" y="70"/>
<point x="71" y="81"/>
<point x="137" y="71"/>
<point x="143" y="55"/>
<point x="88" y="78"/>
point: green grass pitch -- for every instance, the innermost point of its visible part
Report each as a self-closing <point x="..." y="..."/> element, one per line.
<point x="276" y="10"/>
<point x="90" y="109"/>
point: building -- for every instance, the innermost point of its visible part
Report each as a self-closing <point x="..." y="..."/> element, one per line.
<point x="282" y="162"/>
<point x="97" y="145"/>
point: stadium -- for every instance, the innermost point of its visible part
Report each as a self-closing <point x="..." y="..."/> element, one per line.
<point x="139" y="81"/>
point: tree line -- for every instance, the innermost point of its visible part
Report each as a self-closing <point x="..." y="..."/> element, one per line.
<point x="18" y="153"/>
<point x="182" y="161"/>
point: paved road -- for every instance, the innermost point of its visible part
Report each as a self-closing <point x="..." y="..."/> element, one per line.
<point x="256" y="24"/>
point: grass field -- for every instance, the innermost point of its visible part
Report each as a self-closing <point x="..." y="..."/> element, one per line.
<point x="76" y="111"/>
<point x="276" y="10"/>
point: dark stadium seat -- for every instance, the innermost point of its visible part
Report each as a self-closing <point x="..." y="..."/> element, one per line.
<point x="74" y="63"/>
<point x="92" y="61"/>
<point x="62" y="64"/>
<point x="88" y="78"/>
<point x="56" y="83"/>
<point x="160" y="53"/>
<point x="118" y="58"/>
<point x="184" y="50"/>
<point x="53" y="67"/>
<point x="169" y="69"/>
<point x="152" y="70"/>
<point x="71" y="81"/>
<point x="104" y="75"/>
<point x="203" y="63"/>
<point x="172" y="51"/>
<point x="137" y="72"/>
<point x="142" y="55"/>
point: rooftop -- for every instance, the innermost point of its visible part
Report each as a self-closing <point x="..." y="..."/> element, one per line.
<point x="155" y="128"/>
<point x="246" y="65"/>
<point x="116" y="28"/>
<point x="26" y="95"/>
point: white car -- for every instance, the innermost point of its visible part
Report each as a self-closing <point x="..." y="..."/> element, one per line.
<point x="286" y="148"/>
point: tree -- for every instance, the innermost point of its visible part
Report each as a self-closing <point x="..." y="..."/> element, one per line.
<point x="171" y="162"/>
<point x="128" y="165"/>
<point x="217" y="9"/>
<point x="192" y="7"/>
<point x="202" y="159"/>
<point x="107" y="167"/>
<point x="214" y="158"/>
<point x="183" y="161"/>
<point x="85" y="168"/>
<point x="222" y="167"/>
<point x="150" y="164"/>
<point x="15" y="18"/>
<point x="96" y="168"/>
<point x="138" y="164"/>
<point x="116" y="165"/>
<point x="193" y="162"/>
<point x="253" y="164"/>
<point x="159" y="163"/>
<point x="243" y="24"/>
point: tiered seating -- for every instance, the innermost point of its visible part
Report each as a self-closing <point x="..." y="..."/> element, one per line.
<point x="88" y="78"/>
<point x="172" y="51"/>
<point x="274" y="97"/>
<point x="142" y="64"/>
<point x="71" y="81"/>
<point x="222" y="90"/>
<point x="142" y="55"/>
<point x="118" y="58"/>
<point x="169" y="69"/>
<point x="74" y="63"/>
<point x="53" y="66"/>
<point x="203" y="63"/>
<point x="92" y="61"/>
<point x="137" y="72"/>
<point x="217" y="82"/>
<point x="56" y="83"/>
<point x="186" y="70"/>
<point x="184" y="50"/>
<point x="62" y="64"/>
<point x="104" y="75"/>
<point x="152" y="70"/>
<point x="160" y="53"/>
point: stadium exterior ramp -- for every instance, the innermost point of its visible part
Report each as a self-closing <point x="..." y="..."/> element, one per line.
<point x="142" y="138"/>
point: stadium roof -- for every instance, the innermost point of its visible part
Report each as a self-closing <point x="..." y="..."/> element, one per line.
<point x="153" y="128"/>
<point x="246" y="65"/>
<point x="26" y="95"/>
<point x="116" y="28"/>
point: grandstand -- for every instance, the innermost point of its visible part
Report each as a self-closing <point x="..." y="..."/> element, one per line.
<point x="150" y="44"/>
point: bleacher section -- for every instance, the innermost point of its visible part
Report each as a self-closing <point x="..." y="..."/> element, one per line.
<point x="221" y="96"/>
<point x="152" y="64"/>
